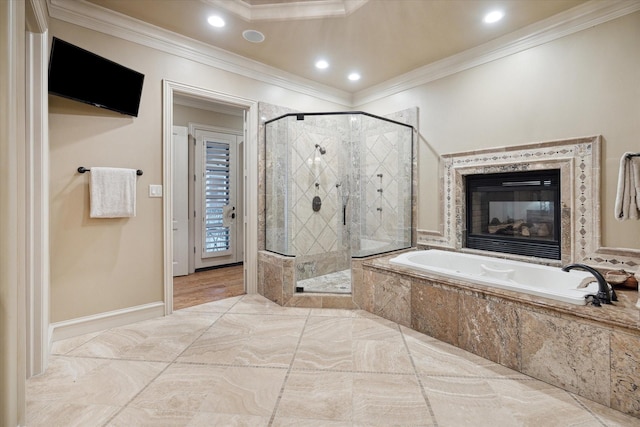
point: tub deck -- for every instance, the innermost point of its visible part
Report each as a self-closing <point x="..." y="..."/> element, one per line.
<point x="622" y="313"/>
<point x="540" y="280"/>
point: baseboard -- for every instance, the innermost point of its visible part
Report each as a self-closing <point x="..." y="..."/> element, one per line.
<point x="100" y="322"/>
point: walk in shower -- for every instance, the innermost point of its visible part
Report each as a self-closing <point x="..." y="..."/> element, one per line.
<point x="338" y="186"/>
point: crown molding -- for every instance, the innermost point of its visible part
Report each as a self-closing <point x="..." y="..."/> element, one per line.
<point x="576" y="19"/>
<point x="115" y="24"/>
<point x="563" y="24"/>
<point x="302" y="9"/>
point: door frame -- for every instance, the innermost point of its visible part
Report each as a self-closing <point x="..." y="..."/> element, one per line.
<point x="250" y="178"/>
<point x="181" y="245"/>
<point x="36" y="175"/>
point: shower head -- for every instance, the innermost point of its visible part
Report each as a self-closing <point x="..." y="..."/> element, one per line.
<point x="321" y="149"/>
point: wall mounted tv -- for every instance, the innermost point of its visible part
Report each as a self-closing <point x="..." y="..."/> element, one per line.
<point x="83" y="76"/>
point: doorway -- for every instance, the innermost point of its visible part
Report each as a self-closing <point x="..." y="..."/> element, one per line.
<point x="218" y="188"/>
<point x="221" y="173"/>
<point x="207" y="204"/>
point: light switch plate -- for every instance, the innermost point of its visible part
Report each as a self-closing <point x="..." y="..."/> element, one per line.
<point x="155" y="190"/>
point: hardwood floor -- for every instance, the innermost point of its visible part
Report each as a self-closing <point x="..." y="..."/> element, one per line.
<point x="206" y="286"/>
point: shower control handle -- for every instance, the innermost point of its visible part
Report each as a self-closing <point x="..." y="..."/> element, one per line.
<point x="316" y="203"/>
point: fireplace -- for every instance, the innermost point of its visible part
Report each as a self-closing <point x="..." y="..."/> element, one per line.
<point x="514" y="212"/>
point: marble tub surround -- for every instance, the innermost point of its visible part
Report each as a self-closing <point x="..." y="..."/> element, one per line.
<point x="590" y="351"/>
<point x="621" y="314"/>
<point x="246" y="361"/>
<point x="579" y="162"/>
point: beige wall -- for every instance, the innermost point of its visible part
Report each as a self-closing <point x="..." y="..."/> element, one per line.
<point x="100" y="265"/>
<point x="584" y="84"/>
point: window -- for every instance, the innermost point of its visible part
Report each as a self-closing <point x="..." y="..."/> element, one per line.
<point x="217" y="195"/>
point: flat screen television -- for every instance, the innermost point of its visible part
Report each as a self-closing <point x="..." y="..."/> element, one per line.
<point x="83" y="76"/>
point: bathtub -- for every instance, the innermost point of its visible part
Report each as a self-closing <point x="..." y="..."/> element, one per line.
<point x="533" y="279"/>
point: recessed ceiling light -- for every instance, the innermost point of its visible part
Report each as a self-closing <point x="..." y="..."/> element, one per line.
<point x="253" y="36"/>
<point x="354" y="77"/>
<point x="322" y="64"/>
<point x="494" y="16"/>
<point x="216" y="21"/>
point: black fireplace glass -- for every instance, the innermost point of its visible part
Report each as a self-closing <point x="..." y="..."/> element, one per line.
<point x="514" y="212"/>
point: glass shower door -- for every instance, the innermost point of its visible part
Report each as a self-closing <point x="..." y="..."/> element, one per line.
<point x="338" y="186"/>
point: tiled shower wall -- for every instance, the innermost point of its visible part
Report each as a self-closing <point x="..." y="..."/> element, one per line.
<point x="366" y="163"/>
<point x="385" y="214"/>
<point x="318" y="238"/>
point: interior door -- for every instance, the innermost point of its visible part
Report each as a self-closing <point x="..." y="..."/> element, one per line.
<point x="180" y="201"/>
<point x="217" y="212"/>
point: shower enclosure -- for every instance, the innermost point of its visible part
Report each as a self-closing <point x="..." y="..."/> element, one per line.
<point x="338" y="186"/>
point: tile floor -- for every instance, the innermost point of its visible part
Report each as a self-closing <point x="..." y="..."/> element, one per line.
<point x="245" y="361"/>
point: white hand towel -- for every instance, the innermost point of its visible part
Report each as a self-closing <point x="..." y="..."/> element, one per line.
<point x="112" y="192"/>
<point x="634" y="162"/>
<point x="627" y="205"/>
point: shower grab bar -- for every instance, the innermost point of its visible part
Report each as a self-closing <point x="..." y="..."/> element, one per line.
<point x="82" y="169"/>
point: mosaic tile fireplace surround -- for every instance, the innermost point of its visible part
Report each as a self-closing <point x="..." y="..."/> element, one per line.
<point x="577" y="159"/>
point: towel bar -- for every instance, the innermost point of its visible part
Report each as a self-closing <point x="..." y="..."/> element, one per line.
<point x="633" y="155"/>
<point x="82" y="169"/>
